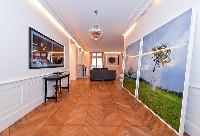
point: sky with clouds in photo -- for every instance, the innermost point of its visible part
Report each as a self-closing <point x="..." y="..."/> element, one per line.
<point x="176" y="35"/>
<point x="132" y="58"/>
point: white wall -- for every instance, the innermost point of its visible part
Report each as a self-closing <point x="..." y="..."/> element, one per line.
<point x="81" y="55"/>
<point x="16" y="18"/>
<point x="87" y="59"/>
<point x="160" y="13"/>
<point x="118" y="68"/>
<point x="193" y="111"/>
<point x="76" y="57"/>
<point x="22" y="89"/>
<point x="73" y="60"/>
<point x="87" y="62"/>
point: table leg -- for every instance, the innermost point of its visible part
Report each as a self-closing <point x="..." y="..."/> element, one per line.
<point x="60" y="86"/>
<point x="45" y="91"/>
<point x="56" y="90"/>
<point x="68" y="83"/>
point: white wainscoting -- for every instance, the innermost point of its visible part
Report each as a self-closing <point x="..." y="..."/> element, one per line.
<point x="20" y="97"/>
<point x="192" y="124"/>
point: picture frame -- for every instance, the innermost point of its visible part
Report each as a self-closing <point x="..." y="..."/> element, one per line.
<point x="112" y="59"/>
<point x="187" y="64"/>
<point x="44" y="52"/>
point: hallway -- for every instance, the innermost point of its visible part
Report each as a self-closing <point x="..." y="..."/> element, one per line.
<point x="91" y="109"/>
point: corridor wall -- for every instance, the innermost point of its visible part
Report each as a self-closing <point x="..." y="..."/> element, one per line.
<point x="157" y="15"/>
<point x="21" y="88"/>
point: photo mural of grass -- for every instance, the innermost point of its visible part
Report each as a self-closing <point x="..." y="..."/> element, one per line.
<point x="165" y="104"/>
<point x="162" y="83"/>
<point x="163" y="62"/>
<point x="131" y="67"/>
<point x="163" y="68"/>
<point x="130" y="84"/>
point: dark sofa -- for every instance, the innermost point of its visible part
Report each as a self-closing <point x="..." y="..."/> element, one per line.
<point x="102" y="75"/>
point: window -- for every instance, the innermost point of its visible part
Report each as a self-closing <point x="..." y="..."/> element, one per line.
<point x="97" y="60"/>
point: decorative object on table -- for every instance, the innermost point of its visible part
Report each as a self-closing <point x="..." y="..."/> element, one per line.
<point x="44" y="52"/>
<point x="96" y="31"/>
<point x="112" y="60"/>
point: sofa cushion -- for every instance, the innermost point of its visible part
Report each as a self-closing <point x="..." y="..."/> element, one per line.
<point x="96" y="75"/>
<point x="109" y="74"/>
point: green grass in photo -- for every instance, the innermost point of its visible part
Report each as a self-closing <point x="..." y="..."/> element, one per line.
<point x="165" y="104"/>
<point x="129" y="84"/>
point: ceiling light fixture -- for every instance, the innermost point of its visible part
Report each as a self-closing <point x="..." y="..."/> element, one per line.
<point x="96" y="31"/>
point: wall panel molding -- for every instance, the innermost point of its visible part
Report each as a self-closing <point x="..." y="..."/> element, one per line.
<point x="19" y="98"/>
<point x="12" y="92"/>
<point x="192" y="124"/>
<point x="194" y="85"/>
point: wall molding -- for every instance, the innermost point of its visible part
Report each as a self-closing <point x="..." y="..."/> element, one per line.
<point x="194" y="85"/>
<point x="14" y="89"/>
<point x="22" y="96"/>
<point x="18" y="114"/>
<point x="194" y="91"/>
<point x="30" y="77"/>
<point x="136" y="14"/>
<point x="192" y="125"/>
<point x="192" y="121"/>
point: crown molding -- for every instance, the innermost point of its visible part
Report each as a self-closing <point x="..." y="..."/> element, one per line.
<point x="134" y="16"/>
<point x="60" y="19"/>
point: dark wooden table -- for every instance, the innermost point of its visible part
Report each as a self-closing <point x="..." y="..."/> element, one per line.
<point x="57" y="78"/>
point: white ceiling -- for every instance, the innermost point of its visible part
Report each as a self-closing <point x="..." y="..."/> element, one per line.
<point x="115" y="17"/>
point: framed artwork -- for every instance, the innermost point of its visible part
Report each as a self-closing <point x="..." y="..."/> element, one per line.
<point x="44" y="52"/>
<point x="131" y="67"/>
<point x="163" y="69"/>
<point x="112" y="60"/>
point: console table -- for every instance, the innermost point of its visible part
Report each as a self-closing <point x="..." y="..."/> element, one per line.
<point x="56" y="78"/>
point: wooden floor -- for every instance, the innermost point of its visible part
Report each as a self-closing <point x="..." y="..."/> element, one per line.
<point x="91" y="109"/>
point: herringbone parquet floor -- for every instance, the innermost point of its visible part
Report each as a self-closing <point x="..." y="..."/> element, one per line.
<point x="91" y="109"/>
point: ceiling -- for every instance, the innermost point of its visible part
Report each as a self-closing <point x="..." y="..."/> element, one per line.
<point x="115" y="16"/>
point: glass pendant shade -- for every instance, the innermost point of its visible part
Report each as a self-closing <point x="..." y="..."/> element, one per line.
<point x="96" y="31"/>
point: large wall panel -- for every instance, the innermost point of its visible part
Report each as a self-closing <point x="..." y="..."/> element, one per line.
<point x="160" y="13"/>
<point x="19" y="98"/>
